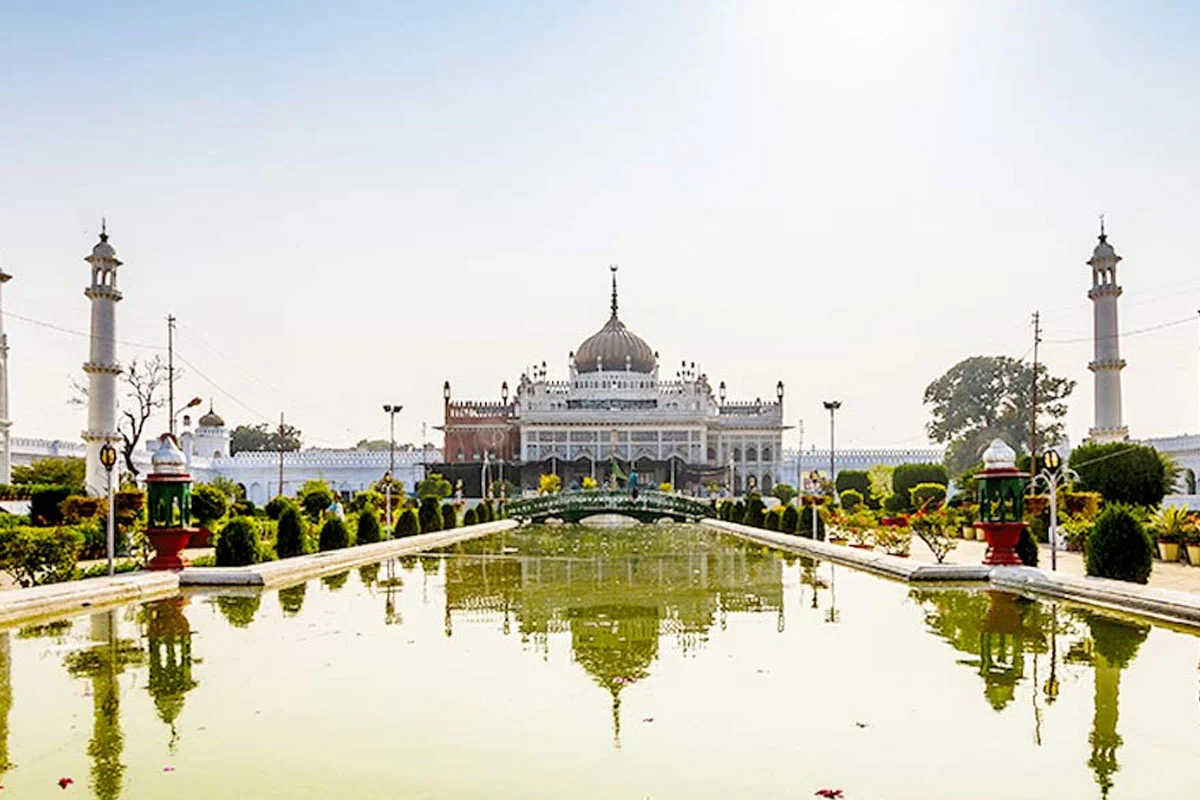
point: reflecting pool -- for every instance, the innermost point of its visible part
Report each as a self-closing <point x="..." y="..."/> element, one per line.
<point x="649" y="661"/>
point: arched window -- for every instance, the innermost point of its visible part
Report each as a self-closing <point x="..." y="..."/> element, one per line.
<point x="751" y="453"/>
<point x="712" y="454"/>
<point x="766" y="453"/>
<point x="737" y="454"/>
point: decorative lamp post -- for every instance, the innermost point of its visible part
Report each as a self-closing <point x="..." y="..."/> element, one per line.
<point x="108" y="458"/>
<point x="1053" y="476"/>
<point x="392" y="410"/>
<point x="832" y="406"/>
<point x="170" y="505"/>
<point x="721" y="392"/>
<point x="1001" y="504"/>
<point x="814" y="481"/>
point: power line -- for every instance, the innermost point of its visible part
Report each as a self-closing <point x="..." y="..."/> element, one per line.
<point x="1134" y="332"/>
<point x="72" y="332"/>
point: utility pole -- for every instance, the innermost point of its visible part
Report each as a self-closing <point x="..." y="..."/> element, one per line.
<point x="1033" y="443"/>
<point x="799" y="453"/>
<point x="279" y="444"/>
<point x="171" y="372"/>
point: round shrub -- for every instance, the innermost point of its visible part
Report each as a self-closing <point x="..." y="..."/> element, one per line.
<point x="789" y="520"/>
<point x="209" y="504"/>
<point x="407" y="524"/>
<point x="771" y="520"/>
<point x="739" y="512"/>
<point x="851" y="499"/>
<point x="805" y="527"/>
<point x="276" y="505"/>
<point x="315" y="497"/>
<point x="430" y="514"/>
<point x="754" y="513"/>
<point x="449" y="516"/>
<point x="290" y="538"/>
<point x="929" y="495"/>
<point x="1027" y="548"/>
<point x="469" y="517"/>
<point x="334" y="534"/>
<point x="1119" y="547"/>
<point x="237" y="543"/>
<point x="368" y="526"/>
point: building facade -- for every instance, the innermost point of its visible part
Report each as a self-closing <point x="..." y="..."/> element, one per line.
<point x="615" y="413"/>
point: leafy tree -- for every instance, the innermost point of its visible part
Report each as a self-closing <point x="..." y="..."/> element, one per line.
<point x="430" y="515"/>
<point x="290" y="537"/>
<point x="209" y="504"/>
<point x="334" y="534"/>
<point x="68" y="472"/>
<point x="906" y="477"/>
<point x="258" y="438"/>
<point x="784" y="492"/>
<point x="237" y="543"/>
<point x="374" y="445"/>
<point x="1119" y="547"/>
<point x="984" y="397"/>
<point x="1123" y="472"/>
<point x="368" y="526"/>
<point x="434" y="485"/>
<point x="315" y="496"/>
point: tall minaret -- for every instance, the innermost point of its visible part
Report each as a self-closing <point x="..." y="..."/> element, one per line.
<point x="102" y="368"/>
<point x="5" y="422"/>
<point x="1107" y="364"/>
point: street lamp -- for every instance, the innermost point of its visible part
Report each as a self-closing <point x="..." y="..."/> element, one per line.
<point x="814" y="480"/>
<point x="391" y="410"/>
<point x="1052" y="476"/>
<point x="108" y="458"/>
<point x="195" y="401"/>
<point x="832" y="406"/>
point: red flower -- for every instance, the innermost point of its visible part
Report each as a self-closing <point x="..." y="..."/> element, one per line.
<point x="829" y="794"/>
<point x="64" y="782"/>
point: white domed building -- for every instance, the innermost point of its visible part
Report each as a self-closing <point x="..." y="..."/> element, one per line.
<point x="615" y="406"/>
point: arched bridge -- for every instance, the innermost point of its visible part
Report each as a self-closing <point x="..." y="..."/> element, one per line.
<point x="648" y="506"/>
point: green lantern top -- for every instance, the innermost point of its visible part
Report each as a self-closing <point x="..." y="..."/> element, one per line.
<point x="169" y="487"/>
<point x="1001" y="485"/>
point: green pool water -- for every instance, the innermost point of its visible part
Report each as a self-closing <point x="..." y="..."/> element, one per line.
<point x="643" y="662"/>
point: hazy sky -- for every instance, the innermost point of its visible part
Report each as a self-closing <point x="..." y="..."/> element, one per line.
<point x="346" y="204"/>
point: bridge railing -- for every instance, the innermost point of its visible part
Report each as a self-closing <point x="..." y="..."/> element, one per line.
<point x="601" y="501"/>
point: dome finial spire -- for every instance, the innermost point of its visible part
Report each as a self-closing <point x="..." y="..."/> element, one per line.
<point x="1103" y="236"/>
<point x="613" y="269"/>
<point x="103" y="229"/>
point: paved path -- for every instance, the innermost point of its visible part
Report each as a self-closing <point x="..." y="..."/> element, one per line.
<point x="1179" y="577"/>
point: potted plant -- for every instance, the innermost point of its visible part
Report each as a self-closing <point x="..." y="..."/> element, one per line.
<point x="835" y="524"/>
<point x="1168" y="526"/>
<point x="1191" y="541"/>
<point x="1073" y="531"/>
<point x="968" y="513"/>
<point x="860" y="524"/>
<point x="895" y="540"/>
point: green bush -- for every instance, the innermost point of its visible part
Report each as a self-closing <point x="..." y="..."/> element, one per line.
<point x="789" y="520"/>
<point x="1119" y="547"/>
<point x="237" y="543"/>
<point x="370" y="498"/>
<point x="315" y="497"/>
<point x="276" y="505"/>
<point x="34" y="556"/>
<point x="930" y="495"/>
<point x="805" y="526"/>
<point x="469" y="517"/>
<point x="771" y="520"/>
<point x="855" y="479"/>
<point x="209" y="504"/>
<point x="435" y="486"/>
<point x="334" y="534"/>
<point x="784" y="493"/>
<point x="430" y="514"/>
<point x="1122" y="472"/>
<point x="907" y="477"/>
<point x="407" y="524"/>
<point x="368" y="527"/>
<point x="449" y="516"/>
<point x="754" y="511"/>
<point x="851" y="499"/>
<point x="245" y="508"/>
<point x="1027" y="548"/>
<point x="290" y="537"/>
<point x="486" y="513"/>
<point x="739" y="512"/>
<point x="44" y="505"/>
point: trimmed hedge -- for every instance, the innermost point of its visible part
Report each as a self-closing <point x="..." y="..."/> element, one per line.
<point x="237" y="543"/>
<point x="907" y="477"/>
<point x="755" y="512"/>
<point x="276" y="505"/>
<point x="45" y="505"/>
<point x="407" y="524"/>
<point x="1119" y="547"/>
<point x="368" y="527"/>
<point x="855" y="479"/>
<point x="932" y="493"/>
<point x="430" y="514"/>
<point x="34" y="556"/>
<point x="851" y="499"/>
<point x="469" y="517"/>
<point x="334" y="534"/>
<point x="805" y="526"/>
<point x="449" y="516"/>
<point x="290" y="538"/>
<point x="771" y="520"/>
<point x="787" y="523"/>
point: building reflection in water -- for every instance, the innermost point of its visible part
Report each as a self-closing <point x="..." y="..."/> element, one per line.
<point x="103" y="663"/>
<point x="997" y="630"/>
<point x="616" y="597"/>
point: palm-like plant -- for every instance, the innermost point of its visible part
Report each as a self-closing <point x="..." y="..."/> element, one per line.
<point x="1173" y="524"/>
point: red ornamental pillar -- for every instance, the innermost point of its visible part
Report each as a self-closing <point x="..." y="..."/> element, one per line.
<point x="1001" y="504"/>
<point x="169" y="505"/>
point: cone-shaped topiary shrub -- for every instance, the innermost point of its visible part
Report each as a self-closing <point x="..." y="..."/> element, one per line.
<point x="789" y="520"/>
<point x="290" y="537"/>
<point x="334" y="534"/>
<point x="276" y="505"/>
<point x="489" y="513"/>
<point x="739" y="512"/>
<point x="237" y="543"/>
<point x="368" y="527"/>
<point x="1118" y="547"/>
<point x="407" y="523"/>
<point x="771" y="521"/>
<point x="754" y="513"/>
<point x="1027" y="548"/>
<point x="805" y="526"/>
<point x="449" y="516"/>
<point x="430" y="515"/>
<point x="469" y="517"/>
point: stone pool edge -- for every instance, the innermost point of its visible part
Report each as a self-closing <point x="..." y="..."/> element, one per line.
<point x="90" y="594"/>
<point x="1164" y="605"/>
<point x="302" y="568"/>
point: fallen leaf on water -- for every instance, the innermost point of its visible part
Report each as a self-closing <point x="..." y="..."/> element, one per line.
<point x="168" y="769"/>
<point x="829" y="794"/>
<point x="65" y="782"/>
<point x="647" y="719"/>
<point x="860" y="724"/>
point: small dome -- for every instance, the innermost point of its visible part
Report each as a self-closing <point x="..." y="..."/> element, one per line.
<point x="103" y="251"/>
<point x="999" y="456"/>
<point x="168" y="459"/>
<point x="211" y="420"/>
<point x="1103" y="255"/>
